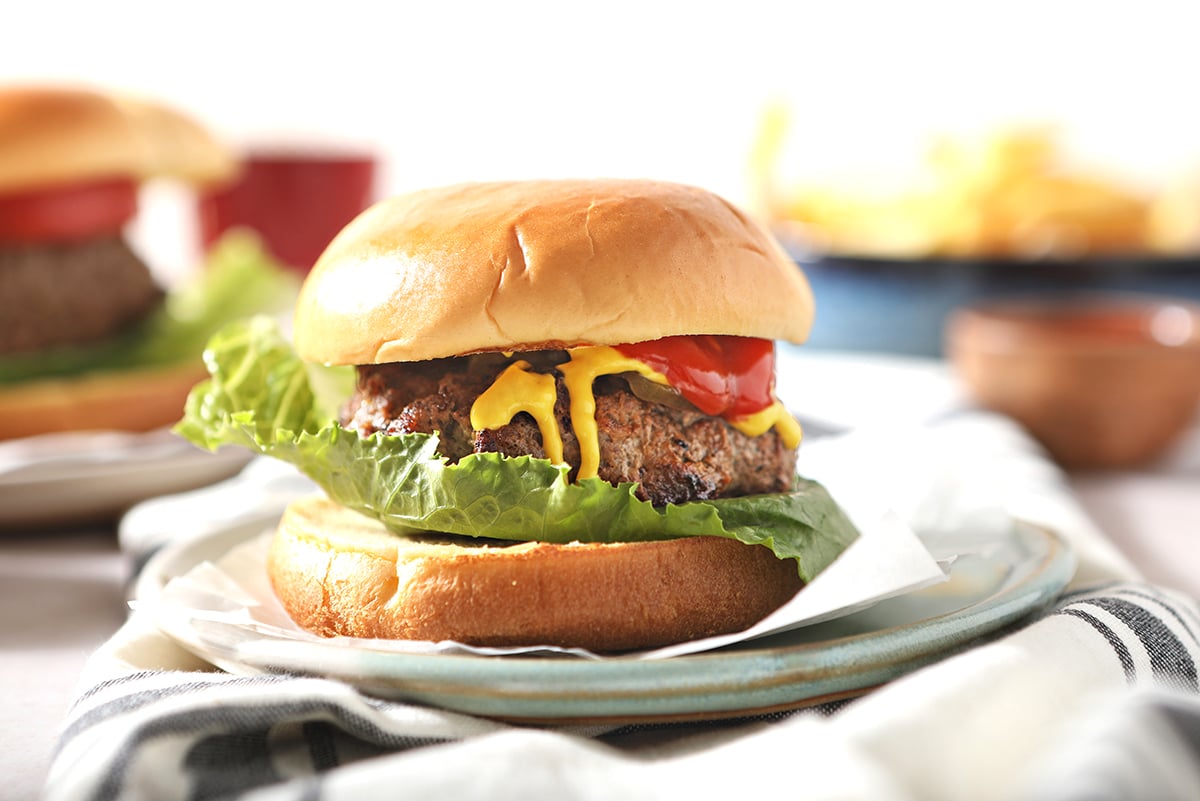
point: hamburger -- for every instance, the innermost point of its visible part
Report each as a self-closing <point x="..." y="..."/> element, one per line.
<point x="87" y="338"/>
<point x="555" y="424"/>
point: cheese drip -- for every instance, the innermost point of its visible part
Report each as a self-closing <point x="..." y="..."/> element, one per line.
<point x="517" y="390"/>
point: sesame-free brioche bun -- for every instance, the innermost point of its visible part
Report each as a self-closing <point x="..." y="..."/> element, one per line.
<point x="118" y="400"/>
<point x="57" y="135"/>
<point x="337" y="572"/>
<point x="545" y="264"/>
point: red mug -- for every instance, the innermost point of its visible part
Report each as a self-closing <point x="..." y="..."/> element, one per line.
<point x="296" y="200"/>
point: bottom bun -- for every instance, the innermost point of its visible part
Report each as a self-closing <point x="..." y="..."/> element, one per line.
<point x="120" y="400"/>
<point x="340" y="573"/>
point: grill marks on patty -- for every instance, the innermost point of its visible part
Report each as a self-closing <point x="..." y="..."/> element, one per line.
<point x="64" y="294"/>
<point x="674" y="454"/>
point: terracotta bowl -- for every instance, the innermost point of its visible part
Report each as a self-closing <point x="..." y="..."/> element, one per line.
<point x="1102" y="381"/>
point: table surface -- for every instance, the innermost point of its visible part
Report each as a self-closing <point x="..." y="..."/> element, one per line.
<point x="62" y="594"/>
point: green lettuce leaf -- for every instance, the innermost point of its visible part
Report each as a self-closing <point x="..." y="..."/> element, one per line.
<point x="263" y="397"/>
<point x="238" y="279"/>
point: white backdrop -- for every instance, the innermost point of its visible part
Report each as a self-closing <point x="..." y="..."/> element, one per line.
<point x="460" y="91"/>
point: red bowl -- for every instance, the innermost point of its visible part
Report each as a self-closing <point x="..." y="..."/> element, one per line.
<point x="295" y="200"/>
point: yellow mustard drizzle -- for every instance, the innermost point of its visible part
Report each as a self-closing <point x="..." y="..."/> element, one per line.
<point x="585" y="366"/>
<point x="774" y="416"/>
<point x="515" y="391"/>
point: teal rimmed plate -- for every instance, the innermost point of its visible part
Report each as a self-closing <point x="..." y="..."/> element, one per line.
<point x="1006" y="579"/>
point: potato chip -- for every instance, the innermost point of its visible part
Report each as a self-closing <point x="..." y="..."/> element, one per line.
<point x="1007" y="195"/>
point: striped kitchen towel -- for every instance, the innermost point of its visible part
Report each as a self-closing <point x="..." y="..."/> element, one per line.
<point x="1096" y="699"/>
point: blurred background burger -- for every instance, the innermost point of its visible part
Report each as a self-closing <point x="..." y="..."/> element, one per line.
<point x="90" y="338"/>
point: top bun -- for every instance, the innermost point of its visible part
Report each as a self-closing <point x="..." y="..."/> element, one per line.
<point x="545" y="264"/>
<point x="52" y="136"/>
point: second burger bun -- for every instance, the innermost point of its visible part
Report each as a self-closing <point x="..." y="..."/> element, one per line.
<point x="338" y="572"/>
<point x="537" y="265"/>
<point x="59" y="135"/>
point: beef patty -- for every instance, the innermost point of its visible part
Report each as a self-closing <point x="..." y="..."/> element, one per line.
<point x="675" y="453"/>
<point x="63" y="294"/>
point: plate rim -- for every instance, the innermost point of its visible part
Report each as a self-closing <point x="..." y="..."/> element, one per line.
<point x="536" y="688"/>
<point x="103" y="480"/>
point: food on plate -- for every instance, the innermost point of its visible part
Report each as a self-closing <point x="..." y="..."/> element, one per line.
<point x="560" y="427"/>
<point x="1012" y="194"/>
<point x="1174" y="225"/>
<point x="88" y="337"/>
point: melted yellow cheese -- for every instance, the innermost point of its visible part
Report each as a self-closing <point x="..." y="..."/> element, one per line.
<point x="518" y="390"/>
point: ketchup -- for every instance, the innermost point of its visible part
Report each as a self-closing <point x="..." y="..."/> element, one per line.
<point x="724" y="376"/>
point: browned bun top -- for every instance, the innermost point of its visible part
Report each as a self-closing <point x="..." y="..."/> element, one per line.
<point x="537" y="264"/>
<point x="53" y="135"/>
<point x="339" y="573"/>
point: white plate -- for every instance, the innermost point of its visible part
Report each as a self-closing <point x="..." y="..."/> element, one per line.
<point x="60" y="479"/>
<point x="1015" y="572"/>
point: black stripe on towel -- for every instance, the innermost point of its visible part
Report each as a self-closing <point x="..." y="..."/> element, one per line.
<point x="1169" y="657"/>
<point x="133" y="701"/>
<point x="223" y="765"/>
<point x="1166" y="603"/>
<point x="320" y="738"/>
<point x="250" y="721"/>
<point x="1119" y="647"/>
